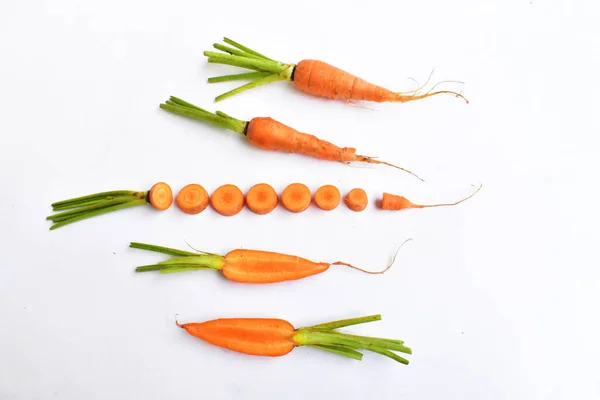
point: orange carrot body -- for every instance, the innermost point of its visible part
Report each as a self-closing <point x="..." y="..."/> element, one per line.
<point x="255" y="336"/>
<point x="255" y="266"/>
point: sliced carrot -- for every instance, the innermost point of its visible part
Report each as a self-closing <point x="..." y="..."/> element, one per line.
<point x="395" y="202"/>
<point x="161" y="196"/>
<point x="296" y="197"/>
<point x="356" y="200"/>
<point x="227" y="200"/>
<point x="192" y="199"/>
<point x="261" y="198"/>
<point x="327" y="197"/>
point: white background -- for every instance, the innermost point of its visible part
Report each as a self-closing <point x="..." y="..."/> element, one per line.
<point x="498" y="297"/>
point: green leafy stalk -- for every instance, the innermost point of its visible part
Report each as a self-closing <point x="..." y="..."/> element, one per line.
<point x="161" y="249"/>
<point x="239" y="77"/>
<point x="93" y="213"/>
<point x="259" y="82"/>
<point x="87" y="208"/>
<point x="340" y="350"/>
<point x="245" y="49"/>
<point x="183" y="108"/>
<point x="71" y="203"/>
<point x="181" y="260"/>
<point x="345" y="322"/>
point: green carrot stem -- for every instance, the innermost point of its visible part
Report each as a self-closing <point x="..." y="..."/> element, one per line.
<point x="94" y="213"/>
<point x="197" y="113"/>
<point x="245" y="62"/>
<point x="380" y="342"/>
<point x="340" y="350"/>
<point x="389" y="341"/>
<point x="239" y="77"/>
<point x="81" y="204"/>
<point x="217" y="60"/>
<point x="182" y="268"/>
<point x="114" y="193"/>
<point x="387" y="353"/>
<point x="244" y="48"/>
<point x="161" y="249"/>
<point x="202" y="260"/>
<point x="251" y="85"/>
<point x="345" y="322"/>
<point x="81" y="210"/>
<point x="235" y="52"/>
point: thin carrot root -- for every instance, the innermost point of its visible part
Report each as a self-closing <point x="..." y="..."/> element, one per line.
<point x="372" y="160"/>
<point x="395" y="203"/>
<point x="375" y="272"/>
<point x="414" y="94"/>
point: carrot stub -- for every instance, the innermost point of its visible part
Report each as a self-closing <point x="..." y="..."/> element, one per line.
<point x="394" y="202"/>
<point x="261" y="198"/>
<point x="296" y="197"/>
<point x="272" y="337"/>
<point x="245" y="266"/>
<point x="356" y="200"/>
<point x="76" y="209"/>
<point x="192" y="199"/>
<point x="327" y="197"/>
<point x="227" y="200"/>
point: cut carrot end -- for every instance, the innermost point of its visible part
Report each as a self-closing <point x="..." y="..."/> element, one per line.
<point x="356" y="200"/>
<point x="327" y="197"/>
<point x="261" y="198"/>
<point x="161" y="196"/>
<point x="296" y="197"/>
<point x="227" y="200"/>
<point x="192" y="199"/>
<point x="394" y="202"/>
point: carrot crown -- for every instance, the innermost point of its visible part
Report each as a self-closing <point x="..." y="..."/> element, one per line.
<point x="182" y="260"/>
<point x="219" y="118"/>
<point x="325" y="337"/>
<point x="266" y="69"/>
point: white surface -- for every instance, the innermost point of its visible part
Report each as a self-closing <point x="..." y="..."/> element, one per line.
<point x="498" y="297"/>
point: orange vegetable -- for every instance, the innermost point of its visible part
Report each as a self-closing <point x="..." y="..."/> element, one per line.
<point x="244" y="266"/>
<point x="327" y="197"/>
<point x="314" y="77"/>
<point x="271" y="337"/>
<point x="296" y="197"/>
<point x="356" y="199"/>
<point x="395" y="202"/>
<point x="76" y="209"/>
<point x="261" y="198"/>
<point x="269" y="134"/>
<point x="192" y="199"/>
<point x="227" y="200"/>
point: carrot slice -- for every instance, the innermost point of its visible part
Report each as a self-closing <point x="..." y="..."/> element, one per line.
<point x="296" y="197"/>
<point x="192" y="199"/>
<point x="327" y="197"/>
<point x="356" y="200"/>
<point x="227" y="200"/>
<point x="261" y="199"/>
<point x="161" y="196"/>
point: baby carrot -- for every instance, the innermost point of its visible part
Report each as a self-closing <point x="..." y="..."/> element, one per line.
<point x="271" y="337"/>
<point x="261" y="198"/>
<point x="244" y="266"/>
<point x="159" y="196"/>
<point x="313" y="77"/>
<point x="327" y="197"/>
<point x="227" y="200"/>
<point x="296" y="197"/>
<point x="269" y="134"/>
<point x="192" y="199"/>
<point x="395" y="202"/>
<point x="356" y="200"/>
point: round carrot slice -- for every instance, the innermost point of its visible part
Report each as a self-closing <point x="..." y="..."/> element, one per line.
<point x="327" y="197"/>
<point x="261" y="199"/>
<point x="356" y="200"/>
<point x="160" y="196"/>
<point x="192" y="199"/>
<point x="296" y="197"/>
<point x="227" y="200"/>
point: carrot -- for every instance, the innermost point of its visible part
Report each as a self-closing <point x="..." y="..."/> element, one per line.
<point x="192" y="199"/>
<point x="395" y="202"/>
<point x="314" y="77"/>
<point x="327" y="197"/>
<point x="269" y="134"/>
<point x="227" y="200"/>
<point x="244" y="266"/>
<point x="296" y="197"/>
<point x="261" y="198"/>
<point x="356" y="200"/>
<point x="272" y="337"/>
<point x="80" y="208"/>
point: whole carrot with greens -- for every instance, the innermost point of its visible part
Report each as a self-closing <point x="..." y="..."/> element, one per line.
<point x="243" y="266"/>
<point x="314" y="77"/>
<point x="159" y="196"/>
<point x="273" y="337"/>
<point x="269" y="134"/>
